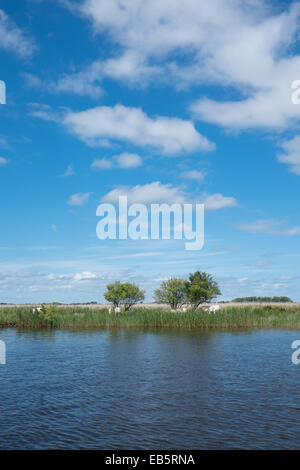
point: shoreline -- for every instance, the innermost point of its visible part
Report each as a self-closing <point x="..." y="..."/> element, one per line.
<point x="150" y="305"/>
<point x="77" y="317"/>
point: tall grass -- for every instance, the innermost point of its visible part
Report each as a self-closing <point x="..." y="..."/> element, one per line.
<point x="141" y="317"/>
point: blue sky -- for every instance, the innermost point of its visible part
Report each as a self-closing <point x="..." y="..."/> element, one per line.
<point x="171" y="102"/>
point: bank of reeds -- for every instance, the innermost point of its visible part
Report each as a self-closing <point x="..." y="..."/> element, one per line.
<point x="141" y="317"/>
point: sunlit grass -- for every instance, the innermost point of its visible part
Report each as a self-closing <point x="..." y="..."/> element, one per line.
<point x="141" y="317"/>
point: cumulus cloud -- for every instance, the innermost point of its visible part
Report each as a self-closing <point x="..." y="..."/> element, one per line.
<point x="245" y="44"/>
<point x="149" y="32"/>
<point x="88" y="81"/>
<point x="13" y="39"/>
<point x="256" y="59"/>
<point x="166" y="193"/>
<point x="149" y="193"/>
<point x="271" y="108"/>
<point x="105" y="126"/>
<point x="78" y="199"/>
<point x="132" y="125"/>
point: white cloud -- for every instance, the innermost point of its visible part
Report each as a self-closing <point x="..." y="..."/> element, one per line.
<point x="244" y="44"/>
<point x="241" y="43"/>
<point x="3" y="161"/>
<point x="291" y="154"/>
<point x="69" y="171"/>
<point x="166" y="193"/>
<point x="120" y="123"/>
<point x="124" y="160"/>
<point x="13" y="39"/>
<point x="268" y="108"/>
<point x="256" y="59"/>
<point x="218" y="201"/>
<point x="149" y="32"/>
<point x="128" y="160"/>
<point x="78" y="199"/>
<point x="193" y="175"/>
<point x="105" y="126"/>
<point x="84" y="82"/>
<point x="45" y="112"/>
<point x="86" y="275"/>
<point x="269" y="226"/>
<point x="147" y="194"/>
<point x="102" y="164"/>
<point x="128" y="67"/>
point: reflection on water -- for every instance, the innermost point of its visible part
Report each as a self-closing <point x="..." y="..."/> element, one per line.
<point x="117" y="389"/>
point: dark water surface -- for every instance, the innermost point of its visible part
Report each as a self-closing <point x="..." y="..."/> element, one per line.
<point x="118" y="389"/>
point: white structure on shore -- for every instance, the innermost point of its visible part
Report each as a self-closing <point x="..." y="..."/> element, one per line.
<point x="214" y="308"/>
<point x="37" y="310"/>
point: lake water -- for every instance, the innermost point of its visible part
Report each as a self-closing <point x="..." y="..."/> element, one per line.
<point x="118" y="389"/>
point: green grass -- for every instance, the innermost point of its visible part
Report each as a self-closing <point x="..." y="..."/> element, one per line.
<point x="80" y="317"/>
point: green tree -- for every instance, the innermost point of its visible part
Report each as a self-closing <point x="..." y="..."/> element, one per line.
<point x="200" y="288"/>
<point x="47" y="314"/>
<point x="123" y="294"/>
<point x="171" y="292"/>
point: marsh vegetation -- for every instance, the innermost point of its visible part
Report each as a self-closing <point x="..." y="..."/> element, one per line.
<point x="74" y="317"/>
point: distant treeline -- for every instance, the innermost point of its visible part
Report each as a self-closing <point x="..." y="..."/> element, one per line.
<point x="262" y="299"/>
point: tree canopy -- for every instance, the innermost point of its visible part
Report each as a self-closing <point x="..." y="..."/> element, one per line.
<point x="124" y="294"/>
<point x="201" y="288"/>
<point x="171" y="292"/>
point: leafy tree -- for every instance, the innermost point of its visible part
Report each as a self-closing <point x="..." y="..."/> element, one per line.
<point x="201" y="288"/>
<point x="123" y="294"/>
<point x="47" y="314"/>
<point x="171" y="292"/>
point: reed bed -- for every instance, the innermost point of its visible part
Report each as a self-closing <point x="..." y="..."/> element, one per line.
<point x="141" y="317"/>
